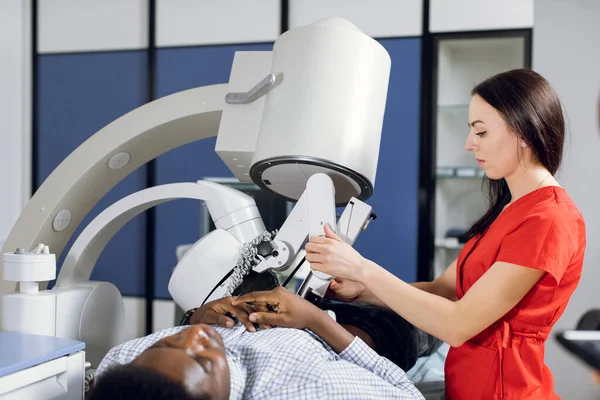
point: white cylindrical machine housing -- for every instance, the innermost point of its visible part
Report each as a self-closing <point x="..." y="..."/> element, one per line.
<point x="33" y="313"/>
<point x="29" y="267"/>
<point x="327" y="113"/>
<point x="29" y="311"/>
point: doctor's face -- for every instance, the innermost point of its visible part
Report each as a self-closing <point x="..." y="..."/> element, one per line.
<point x="194" y="358"/>
<point x="495" y="147"/>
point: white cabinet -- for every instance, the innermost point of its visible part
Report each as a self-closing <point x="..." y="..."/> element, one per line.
<point x="41" y="367"/>
<point x="462" y="62"/>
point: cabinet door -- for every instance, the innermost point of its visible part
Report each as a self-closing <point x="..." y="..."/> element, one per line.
<point x="462" y="62"/>
<point x="77" y="95"/>
<point x="391" y="240"/>
<point x="179" y="222"/>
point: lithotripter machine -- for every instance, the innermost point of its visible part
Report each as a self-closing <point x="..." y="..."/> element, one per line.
<point x="303" y="121"/>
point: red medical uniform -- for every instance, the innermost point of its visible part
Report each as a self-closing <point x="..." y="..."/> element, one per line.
<point x="542" y="230"/>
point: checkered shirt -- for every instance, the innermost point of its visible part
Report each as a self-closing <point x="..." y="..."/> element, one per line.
<point x="282" y="363"/>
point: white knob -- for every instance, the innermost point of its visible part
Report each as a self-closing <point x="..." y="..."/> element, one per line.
<point x="119" y="160"/>
<point x="62" y="220"/>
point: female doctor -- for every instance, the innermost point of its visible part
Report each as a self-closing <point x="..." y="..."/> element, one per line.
<point x="497" y="302"/>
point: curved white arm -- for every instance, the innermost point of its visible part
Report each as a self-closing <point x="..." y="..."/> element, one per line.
<point x="222" y="200"/>
<point x="84" y="177"/>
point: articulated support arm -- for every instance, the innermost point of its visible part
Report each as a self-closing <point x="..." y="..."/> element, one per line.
<point x="314" y="209"/>
<point x="231" y="210"/>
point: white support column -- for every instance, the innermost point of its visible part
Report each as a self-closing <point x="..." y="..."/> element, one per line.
<point x="565" y="51"/>
<point x="15" y="111"/>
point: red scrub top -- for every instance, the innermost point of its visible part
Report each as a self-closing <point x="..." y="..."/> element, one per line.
<point x="543" y="230"/>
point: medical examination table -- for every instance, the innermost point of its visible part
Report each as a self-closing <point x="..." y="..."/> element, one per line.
<point x="43" y="367"/>
<point x="40" y="367"/>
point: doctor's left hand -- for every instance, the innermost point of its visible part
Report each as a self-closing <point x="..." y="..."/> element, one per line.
<point x="333" y="256"/>
<point x="287" y="309"/>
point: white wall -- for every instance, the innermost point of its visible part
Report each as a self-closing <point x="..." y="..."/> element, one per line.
<point x="474" y="15"/>
<point x="566" y="52"/>
<point x="67" y="26"/>
<point x="376" y="18"/>
<point x="200" y="22"/>
<point x="15" y="108"/>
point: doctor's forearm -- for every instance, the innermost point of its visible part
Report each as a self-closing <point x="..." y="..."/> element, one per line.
<point x="434" y="314"/>
<point x="429" y="287"/>
<point x="435" y="288"/>
<point x="370" y="298"/>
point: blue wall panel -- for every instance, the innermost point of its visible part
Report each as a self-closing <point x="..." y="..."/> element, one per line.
<point x="178" y="222"/>
<point x="78" y="94"/>
<point x="391" y="240"/>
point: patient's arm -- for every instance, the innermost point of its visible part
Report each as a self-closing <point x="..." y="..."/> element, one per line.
<point x="292" y="311"/>
<point x="356" y="331"/>
<point x="334" y="334"/>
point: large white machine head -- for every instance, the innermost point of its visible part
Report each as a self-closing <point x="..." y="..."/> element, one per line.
<point x="326" y="90"/>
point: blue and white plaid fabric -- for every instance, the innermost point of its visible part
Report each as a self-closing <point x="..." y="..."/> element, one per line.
<point x="282" y="363"/>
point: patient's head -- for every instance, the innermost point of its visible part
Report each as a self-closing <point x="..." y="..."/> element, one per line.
<point x="190" y="365"/>
<point x="389" y="334"/>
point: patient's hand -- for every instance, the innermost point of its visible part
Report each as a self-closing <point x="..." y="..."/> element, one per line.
<point x="288" y="310"/>
<point x="218" y="312"/>
<point x="292" y="311"/>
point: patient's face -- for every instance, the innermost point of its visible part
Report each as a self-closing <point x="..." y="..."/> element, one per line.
<point x="195" y="357"/>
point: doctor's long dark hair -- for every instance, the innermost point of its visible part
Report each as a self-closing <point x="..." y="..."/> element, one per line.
<point x="532" y="110"/>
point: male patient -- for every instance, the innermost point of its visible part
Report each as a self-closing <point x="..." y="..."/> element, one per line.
<point x="308" y="355"/>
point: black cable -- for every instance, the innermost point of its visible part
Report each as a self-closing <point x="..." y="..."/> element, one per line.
<point x="151" y="176"/>
<point x="289" y="278"/>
